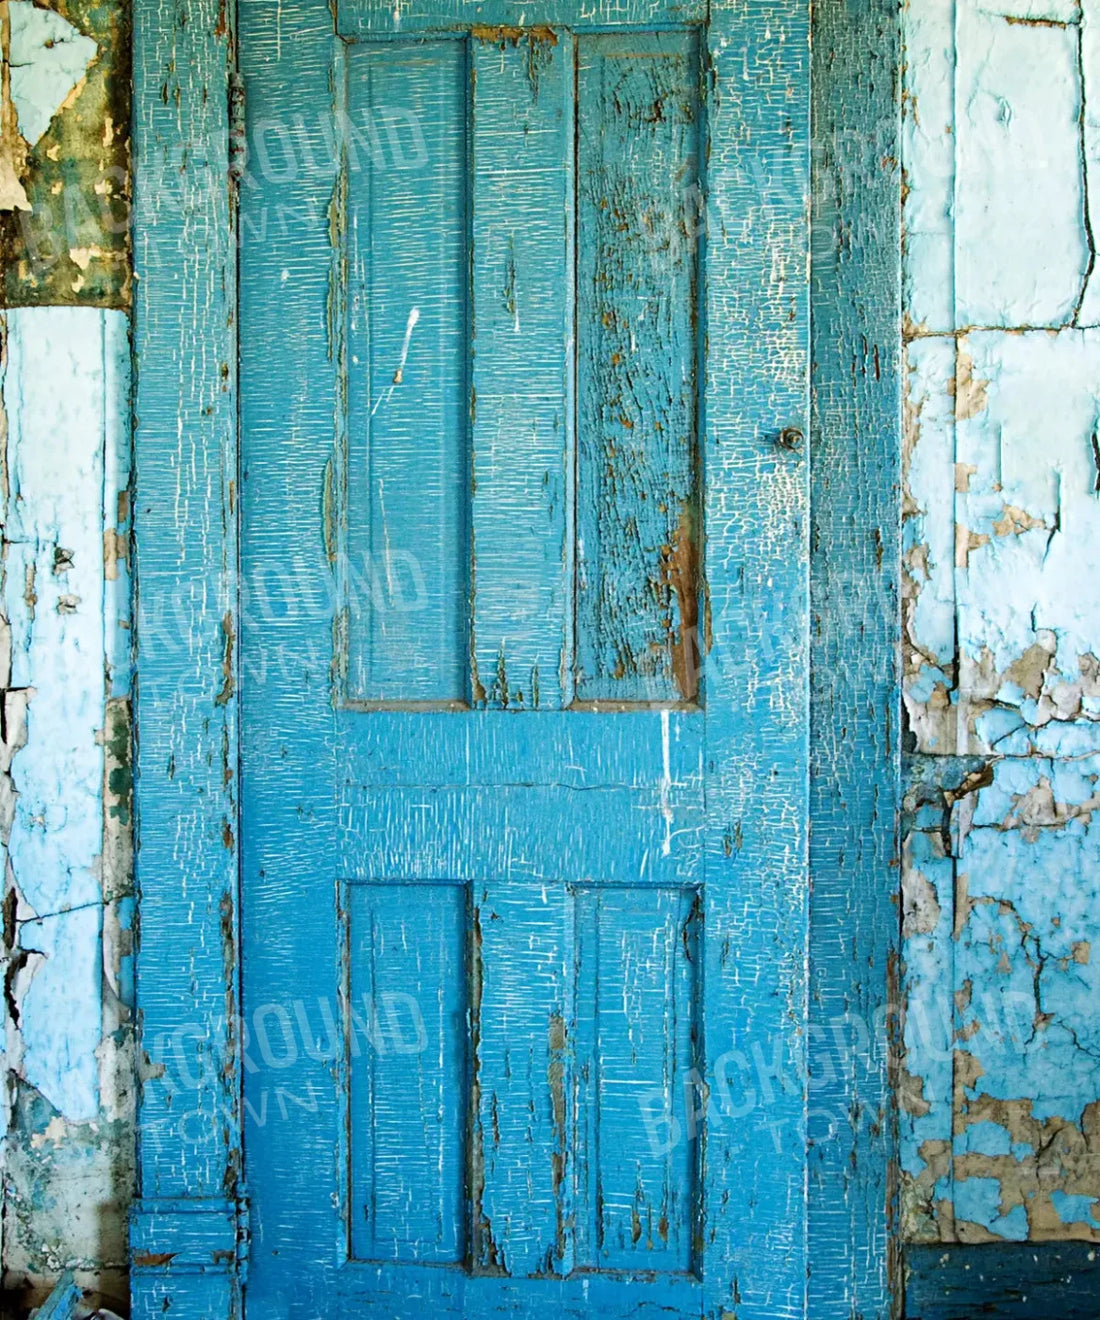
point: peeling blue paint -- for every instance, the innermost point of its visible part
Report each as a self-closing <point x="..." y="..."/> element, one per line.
<point x="1001" y="1081"/>
<point x="65" y="594"/>
<point x="1001" y="1093"/>
<point x="1074" y="1209"/>
<point x="986" y="1139"/>
<point x="1006" y="950"/>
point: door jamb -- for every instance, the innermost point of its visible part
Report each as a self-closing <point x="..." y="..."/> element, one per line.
<point x="189" y="1223"/>
<point x="855" y="658"/>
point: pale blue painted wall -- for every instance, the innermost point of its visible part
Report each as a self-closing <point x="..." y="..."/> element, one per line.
<point x="1001" y="1105"/>
<point x="65" y="792"/>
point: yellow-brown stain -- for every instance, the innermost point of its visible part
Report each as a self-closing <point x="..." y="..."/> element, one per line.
<point x="512" y="36"/>
<point x="679" y="572"/>
<point x="971" y="394"/>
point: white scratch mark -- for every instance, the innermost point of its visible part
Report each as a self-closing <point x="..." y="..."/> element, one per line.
<point x="666" y="784"/>
<point x="399" y="374"/>
<point x="386" y="539"/>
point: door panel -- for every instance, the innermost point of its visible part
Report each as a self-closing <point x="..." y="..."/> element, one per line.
<point x="521" y="409"/>
<point x="634" y="1048"/>
<point x="401" y="232"/>
<point x="524" y="658"/>
<point x="638" y="256"/>
<point x="407" y="1111"/>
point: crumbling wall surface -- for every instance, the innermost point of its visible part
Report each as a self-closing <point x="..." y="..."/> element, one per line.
<point x="1000" y="1096"/>
<point x="65" y="797"/>
<point x="67" y="1125"/>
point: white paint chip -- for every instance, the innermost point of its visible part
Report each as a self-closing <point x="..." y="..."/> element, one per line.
<point x="49" y="57"/>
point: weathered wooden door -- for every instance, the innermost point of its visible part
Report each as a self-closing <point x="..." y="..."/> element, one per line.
<point x="523" y="375"/>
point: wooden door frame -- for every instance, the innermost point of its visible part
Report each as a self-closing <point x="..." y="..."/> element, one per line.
<point x="188" y="1227"/>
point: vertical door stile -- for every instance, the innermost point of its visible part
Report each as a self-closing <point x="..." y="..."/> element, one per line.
<point x="521" y="518"/>
<point x="334" y="497"/>
<point x="757" y="758"/>
<point x="290" y="391"/>
<point x="523" y="1216"/>
<point x="522" y="427"/>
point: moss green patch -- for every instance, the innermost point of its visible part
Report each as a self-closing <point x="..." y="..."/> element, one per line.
<point x="120" y="779"/>
<point x="73" y="246"/>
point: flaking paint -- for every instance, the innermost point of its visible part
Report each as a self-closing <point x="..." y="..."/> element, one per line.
<point x="1002" y="536"/>
<point x="1001" y="647"/>
<point x="68" y="1152"/>
<point x="64" y="154"/>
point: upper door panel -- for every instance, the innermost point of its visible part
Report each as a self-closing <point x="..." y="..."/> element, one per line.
<point x="517" y="314"/>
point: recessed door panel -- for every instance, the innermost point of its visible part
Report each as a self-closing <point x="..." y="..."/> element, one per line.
<point x="401" y="282"/>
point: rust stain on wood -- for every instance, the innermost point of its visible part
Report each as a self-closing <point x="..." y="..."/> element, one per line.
<point x="680" y="574"/>
<point x="503" y="35"/>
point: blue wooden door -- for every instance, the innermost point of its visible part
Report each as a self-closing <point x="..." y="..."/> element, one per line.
<point x="523" y="370"/>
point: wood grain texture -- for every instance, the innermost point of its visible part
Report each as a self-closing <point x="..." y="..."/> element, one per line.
<point x="637" y="1010"/>
<point x="63" y="1301"/>
<point x="185" y="452"/>
<point x="295" y="1119"/>
<point x="363" y="17"/>
<point x="522" y="404"/>
<point x="574" y="750"/>
<point x="1005" y="1281"/>
<point x="675" y="839"/>
<point x="522" y="1156"/>
<point x="756" y="511"/>
<point x="855" y="793"/>
<point x="186" y="550"/>
<point x="640" y="838"/>
<point x="407" y="1064"/>
<point x="407" y="372"/>
<point x="638" y="241"/>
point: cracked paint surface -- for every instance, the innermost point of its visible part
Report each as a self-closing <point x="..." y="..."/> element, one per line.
<point x="999" y="1102"/>
<point x="64" y="154"/>
<point x="1001" y="1136"/>
<point x="68" y="905"/>
<point x="1000" y="1091"/>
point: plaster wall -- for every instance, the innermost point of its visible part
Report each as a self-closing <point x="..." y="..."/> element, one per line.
<point x="65" y="798"/>
<point x="67" y="1099"/>
<point x="1000" y="1101"/>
